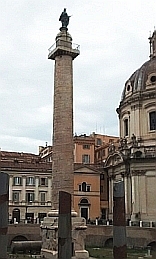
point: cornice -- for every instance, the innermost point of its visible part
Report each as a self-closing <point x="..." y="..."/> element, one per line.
<point x="138" y="98"/>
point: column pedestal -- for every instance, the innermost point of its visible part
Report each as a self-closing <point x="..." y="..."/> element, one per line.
<point x="49" y="232"/>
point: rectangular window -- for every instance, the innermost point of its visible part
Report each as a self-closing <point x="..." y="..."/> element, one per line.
<point x="86" y="146"/>
<point x="30" y="180"/>
<point x="152" y="118"/>
<point x="88" y="188"/>
<point x="16" y="196"/>
<point x="43" y="198"/>
<point x="86" y="159"/>
<point x="101" y="188"/>
<point x="99" y="142"/>
<point x="102" y="176"/>
<point x="103" y="213"/>
<point x="17" y="180"/>
<point x="126" y="127"/>
<point x="103" y="152"/>
<point x="30" y="197"/>
<point x="44" y="181"/>
<point x="79" y="187"/>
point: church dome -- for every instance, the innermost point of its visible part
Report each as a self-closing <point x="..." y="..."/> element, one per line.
<point x="141" y="79"/>
<point x="145" y="76"/>
<point x="137" y="108"/>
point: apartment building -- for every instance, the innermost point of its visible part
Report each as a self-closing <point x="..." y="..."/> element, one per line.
<point x="30" y="181"/>
<point x="29" y="185"/>
<point x="88" y="149"/>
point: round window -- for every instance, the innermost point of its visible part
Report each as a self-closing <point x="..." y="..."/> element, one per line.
<point x="153" y="79"/>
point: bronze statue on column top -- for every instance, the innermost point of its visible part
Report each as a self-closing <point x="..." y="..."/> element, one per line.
<point x="64" y="18"/>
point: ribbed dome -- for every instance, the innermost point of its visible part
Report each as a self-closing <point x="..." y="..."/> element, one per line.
<point x="141" y="78"/>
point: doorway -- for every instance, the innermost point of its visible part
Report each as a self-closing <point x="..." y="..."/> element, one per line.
<point x="16" y="215"/>
<point x="84" y="213"/>
<point x="41" y="216"/>
<point x="84" y="208"/>
<point x="29" y="217"/>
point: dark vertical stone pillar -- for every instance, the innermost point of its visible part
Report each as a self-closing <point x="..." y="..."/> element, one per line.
<point x="119" y="222"/>
<point x="4" y="194"/>
<point x="64" y="226"/>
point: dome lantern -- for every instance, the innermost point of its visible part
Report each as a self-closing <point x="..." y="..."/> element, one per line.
<point x="152" y="41"/>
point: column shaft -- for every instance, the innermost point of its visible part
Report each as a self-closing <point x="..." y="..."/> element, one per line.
<point x="63" y="158"/>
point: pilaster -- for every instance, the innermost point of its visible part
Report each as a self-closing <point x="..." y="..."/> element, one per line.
<point x="10" y="187"/>
<point x="36" y="188"/>
<point x="23" y="187"/>
<point x="49" y="189"/>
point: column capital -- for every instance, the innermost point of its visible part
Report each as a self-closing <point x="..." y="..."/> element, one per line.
<point x="138" y="172"/>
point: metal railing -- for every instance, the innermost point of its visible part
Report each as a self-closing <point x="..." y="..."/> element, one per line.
<point x="74" y="46"/>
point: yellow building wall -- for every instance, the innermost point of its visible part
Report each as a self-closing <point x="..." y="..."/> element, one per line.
<point x="93" y="196"/>
<point x="79" y="150"/>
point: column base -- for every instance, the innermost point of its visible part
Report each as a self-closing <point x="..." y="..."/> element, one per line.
<point x="81" y="254"/>
<point x="49" y="254"/>
<point x="49" y="233"/>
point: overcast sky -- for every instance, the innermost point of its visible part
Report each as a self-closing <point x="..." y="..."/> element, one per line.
<point x="113" y="37"/>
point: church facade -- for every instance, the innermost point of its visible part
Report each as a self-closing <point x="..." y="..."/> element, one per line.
<point x="135" y="160"/>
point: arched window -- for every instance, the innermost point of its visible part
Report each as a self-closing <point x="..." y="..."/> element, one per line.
<point x="126" y="127"/>
<point x="84" y="187"/>
<point x="152" y="120"/>
<point x="84" y="201"/>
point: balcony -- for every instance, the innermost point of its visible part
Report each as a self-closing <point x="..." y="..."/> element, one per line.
<point x="63" y="48"/>
<point x="29" y="203"/>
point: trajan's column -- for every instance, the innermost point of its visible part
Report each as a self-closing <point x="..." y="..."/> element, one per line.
<point x="63" y="159"/>
<point x="63" y="52"/>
